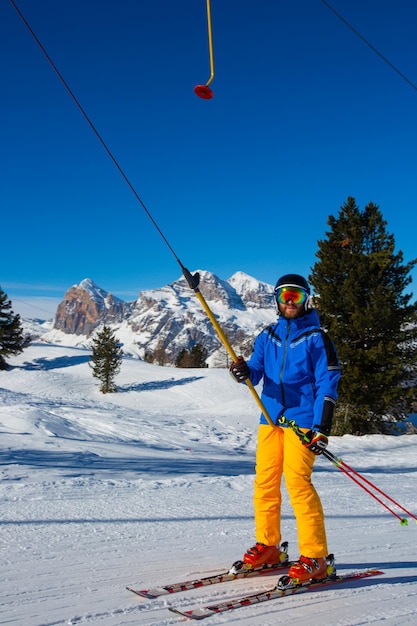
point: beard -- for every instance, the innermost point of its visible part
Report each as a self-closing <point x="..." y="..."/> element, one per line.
<point x="291" y="312"/>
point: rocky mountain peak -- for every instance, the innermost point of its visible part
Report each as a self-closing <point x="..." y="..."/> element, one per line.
<point x="86" y="306"/>
<point x="170" y="318"/>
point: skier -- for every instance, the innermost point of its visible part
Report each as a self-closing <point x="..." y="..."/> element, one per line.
<point x="300" y="370"/>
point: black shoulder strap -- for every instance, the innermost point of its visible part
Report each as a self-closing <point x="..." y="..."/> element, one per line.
<point x="332" y="360"/>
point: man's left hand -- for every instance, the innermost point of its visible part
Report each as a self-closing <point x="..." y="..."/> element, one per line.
<point x="317" y="442"/>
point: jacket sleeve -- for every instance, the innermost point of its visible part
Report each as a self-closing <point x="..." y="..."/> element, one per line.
<point x="327" y="375"/>
<point x="256" y="361"/>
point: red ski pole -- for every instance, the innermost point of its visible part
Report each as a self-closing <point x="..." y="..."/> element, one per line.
<point x="347" y="469"/>
<point x="353" y="475"/>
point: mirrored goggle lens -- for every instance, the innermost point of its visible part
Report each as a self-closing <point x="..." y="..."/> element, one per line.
<point x="295" y="294"/>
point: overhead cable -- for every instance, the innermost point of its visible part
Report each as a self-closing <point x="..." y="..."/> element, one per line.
<point x="99" y="137"/>
<point x="358" y="34"/>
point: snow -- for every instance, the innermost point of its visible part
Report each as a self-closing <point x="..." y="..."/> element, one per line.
<point x="95" y="292"/>
<point x="154" y="484"/>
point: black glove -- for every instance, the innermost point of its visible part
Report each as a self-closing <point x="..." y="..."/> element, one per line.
<point x="240" y="370"/>
<point x="316" y="442"/>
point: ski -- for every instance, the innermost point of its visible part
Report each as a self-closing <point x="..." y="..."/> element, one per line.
<point x="238" y="570"/>
<point x="223" y="577"/>
<point x="271" y="594"/>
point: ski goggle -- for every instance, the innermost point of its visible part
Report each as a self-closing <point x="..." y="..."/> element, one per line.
<point x="295" y="294"/>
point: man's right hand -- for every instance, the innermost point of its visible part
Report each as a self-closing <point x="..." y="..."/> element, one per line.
<point x="240" y="370"/>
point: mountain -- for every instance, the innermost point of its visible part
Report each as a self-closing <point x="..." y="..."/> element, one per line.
<point x="167" y="320"/>
<point x="85" y="306"/>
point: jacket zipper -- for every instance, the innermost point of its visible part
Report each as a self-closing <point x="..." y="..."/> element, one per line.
<point x="283" y="364"/>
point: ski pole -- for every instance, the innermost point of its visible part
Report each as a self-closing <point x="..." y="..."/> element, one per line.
<point x="339" y="463"/>
<point x="351" y="473"/>
<point x="193" y="282"/>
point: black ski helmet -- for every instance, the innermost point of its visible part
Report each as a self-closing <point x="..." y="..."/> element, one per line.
<point x="294" y="280"/>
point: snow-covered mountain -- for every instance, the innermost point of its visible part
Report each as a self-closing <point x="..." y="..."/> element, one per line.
<point x="170" y="318"/>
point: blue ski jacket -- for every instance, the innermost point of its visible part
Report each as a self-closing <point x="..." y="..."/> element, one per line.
<point x="300" y="370"/>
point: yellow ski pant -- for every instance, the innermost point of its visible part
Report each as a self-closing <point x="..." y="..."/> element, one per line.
<point x="280" y="452"/>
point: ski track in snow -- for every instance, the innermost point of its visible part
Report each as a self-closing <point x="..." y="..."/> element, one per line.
<point x="154" y="484"/>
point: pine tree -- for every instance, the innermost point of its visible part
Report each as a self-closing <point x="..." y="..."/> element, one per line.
<point x="12" y="339"/>
<point x="106" y="359"/>
<point x="183" y="359"/>
<point x="196" y="357"/>
<point x="199" y="355"/>
<point x="361" y="284"/>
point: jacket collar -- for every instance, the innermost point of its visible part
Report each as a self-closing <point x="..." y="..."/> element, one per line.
<point x="309" y="320"/>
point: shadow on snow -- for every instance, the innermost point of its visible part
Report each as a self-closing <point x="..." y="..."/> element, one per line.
<point x="240" y="463"/>
<point x="140" y="465"/>
<point x="158" y="384"/>
<point x="58" y="362"/>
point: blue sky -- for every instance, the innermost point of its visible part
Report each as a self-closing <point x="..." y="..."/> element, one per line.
<point x="304" y="115"/>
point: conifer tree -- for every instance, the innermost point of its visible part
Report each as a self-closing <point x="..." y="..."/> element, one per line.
<point x="199" y="355"/>
<point x="361" y="284"/>
<point x="106" y="359"/>
<point x="12" y="339"/>
<point x="183" y="359"/>
<point x="196" y="357"/>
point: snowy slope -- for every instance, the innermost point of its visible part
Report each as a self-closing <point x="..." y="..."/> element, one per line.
<point x="154" y="484"/>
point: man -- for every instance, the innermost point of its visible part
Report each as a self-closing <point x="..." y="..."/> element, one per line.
<point x="300" y="371"/>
